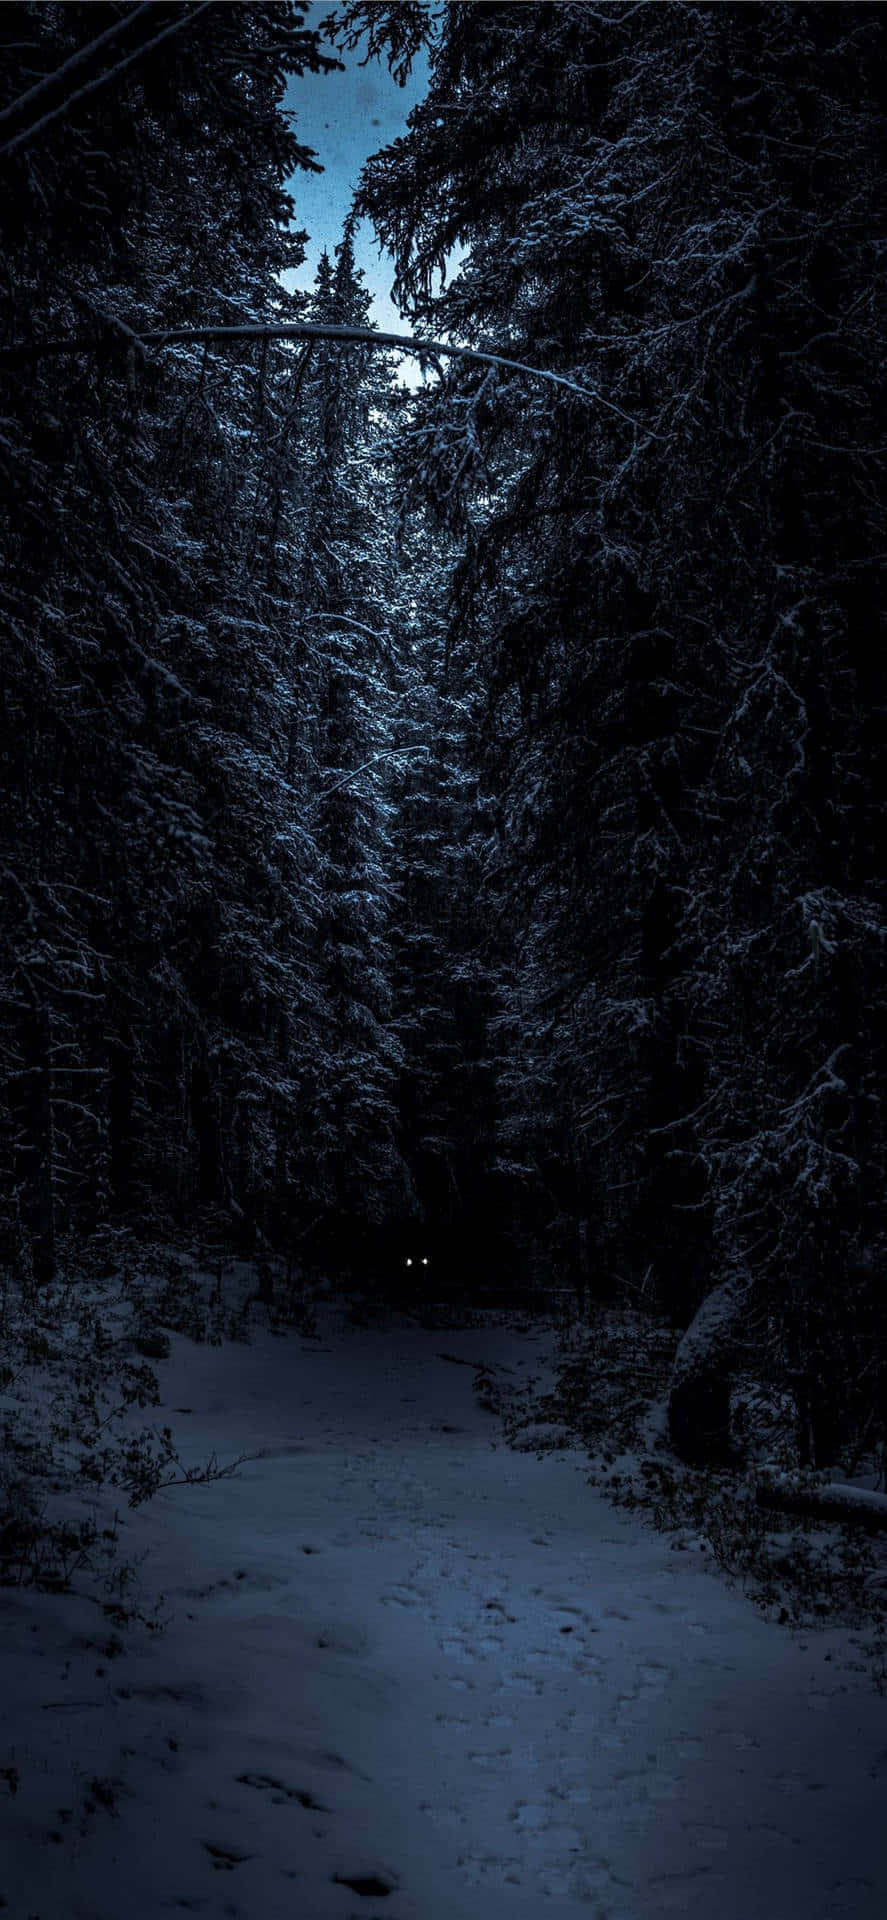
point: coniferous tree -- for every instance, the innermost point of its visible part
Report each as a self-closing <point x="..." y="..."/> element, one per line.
<point x="152" y="851"/>
<point x="447" y="957"/>
<point x="676" y="599"/>
<point x="351" y="617"/>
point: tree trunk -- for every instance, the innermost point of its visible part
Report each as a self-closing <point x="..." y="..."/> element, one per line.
<point x="120" y="1095"/>
<point x="35" y="1152"/>
<point x="206" y="1132"/>
<point x="699" y="1395"/>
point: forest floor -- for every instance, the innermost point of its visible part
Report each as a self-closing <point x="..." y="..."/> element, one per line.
<point x="402" y="1668"/>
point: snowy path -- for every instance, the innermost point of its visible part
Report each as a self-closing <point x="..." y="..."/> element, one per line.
<point x="414" y="1674"/>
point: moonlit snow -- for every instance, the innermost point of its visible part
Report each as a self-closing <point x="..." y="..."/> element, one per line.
<point x="410" y="1672"/>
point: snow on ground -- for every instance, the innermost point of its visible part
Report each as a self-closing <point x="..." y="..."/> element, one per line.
<point x="410" y="1673"/>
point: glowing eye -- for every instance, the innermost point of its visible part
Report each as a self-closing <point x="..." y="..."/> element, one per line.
<point x="424" y="1261"/>
<point x="409" y="1261"/>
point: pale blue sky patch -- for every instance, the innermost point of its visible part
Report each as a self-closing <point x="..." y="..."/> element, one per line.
<point x="346" y="117"/>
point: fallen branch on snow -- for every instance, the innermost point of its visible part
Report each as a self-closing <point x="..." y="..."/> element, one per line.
<point x="835" y="1500"/>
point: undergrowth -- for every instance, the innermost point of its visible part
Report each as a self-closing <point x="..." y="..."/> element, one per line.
<point x="75" y="1362"/>
<point x="610" y="1396"/>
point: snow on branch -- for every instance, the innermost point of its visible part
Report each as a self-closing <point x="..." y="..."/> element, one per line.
<point x="75" y="60"/>
<point x="832" y="1500"/>
<point x="306" y="330"/>
<point x="184" y="18"/>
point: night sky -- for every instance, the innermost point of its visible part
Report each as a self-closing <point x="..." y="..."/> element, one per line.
<point x="345" y="117"/>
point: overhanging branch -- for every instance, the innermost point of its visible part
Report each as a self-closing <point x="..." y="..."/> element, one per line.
<point x="307" y="330"/>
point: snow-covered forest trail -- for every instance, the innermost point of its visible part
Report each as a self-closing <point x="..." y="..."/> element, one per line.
<point x="411" y="1672"/>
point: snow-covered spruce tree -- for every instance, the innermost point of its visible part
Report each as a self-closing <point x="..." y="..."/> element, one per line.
<point x="676" y="596"/>
<point x="785" y="920"/>
<point x="552" y="592"/>
<point x="446" y="945"/>
<point x="351" y="624"/>
<point x="157" y="868"/>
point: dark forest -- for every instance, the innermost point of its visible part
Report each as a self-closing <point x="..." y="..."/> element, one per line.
<point x="445" y="823"/>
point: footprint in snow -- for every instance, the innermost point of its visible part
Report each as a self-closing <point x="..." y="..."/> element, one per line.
<point x="447" y="1818"/>
<point x="279" y="1791"/>
<point x="519" y="1683"/>
<point x="707" y="1836"/>
<point x="548" y="1657"/>
<point x="490" y="1869"/>
<point x="370" y="1882"/>
<point x="529" y="1818"/>
<point x="336" y="1641"/>
<point x="654" y="1676"/>
<point x="225" y="1859"/>
<point x="457" y="1650"/>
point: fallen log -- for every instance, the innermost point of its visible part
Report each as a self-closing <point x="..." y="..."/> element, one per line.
<point x="831" y="1500"/>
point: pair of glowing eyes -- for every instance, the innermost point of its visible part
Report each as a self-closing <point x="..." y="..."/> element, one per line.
<point x="411" y="1262"/>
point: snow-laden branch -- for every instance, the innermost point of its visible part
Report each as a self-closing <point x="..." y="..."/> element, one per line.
<point x="75" y="60"/>
<point x="309" y="330"/>
<point x="385" y="753"/>
<point x="185" y="18"/>
<point x="832" y="1500"/>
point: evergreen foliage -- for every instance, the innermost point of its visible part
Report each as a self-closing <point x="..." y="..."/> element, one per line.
<point x="679" y="612"/>
<point x="462" y="808"/>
